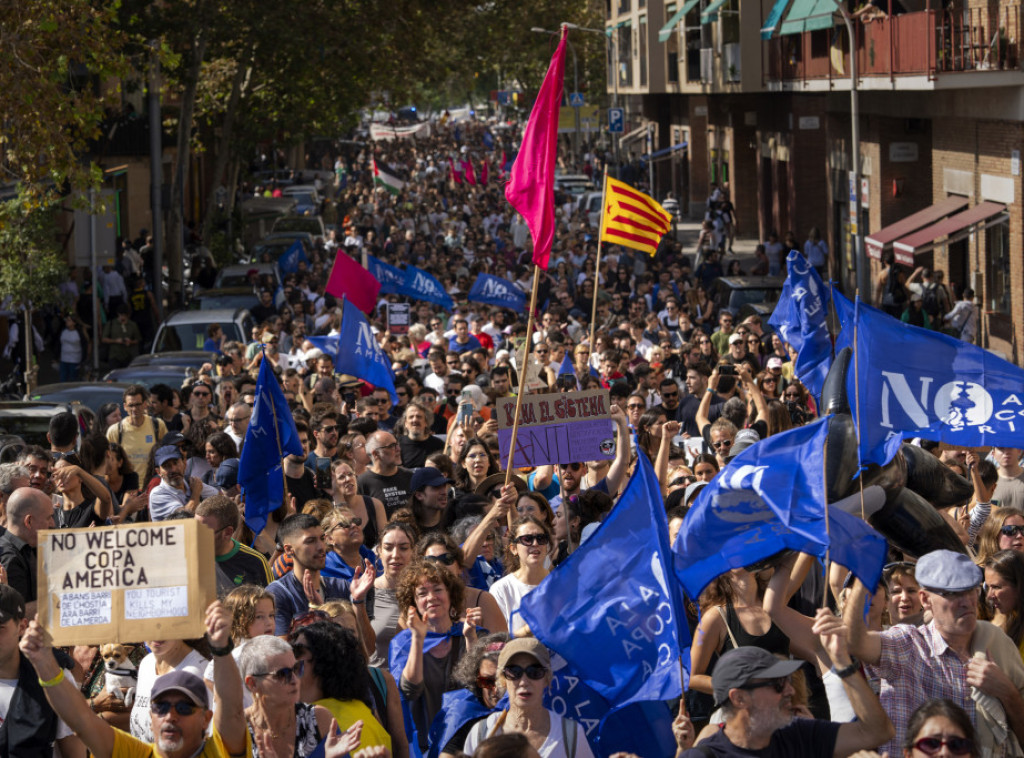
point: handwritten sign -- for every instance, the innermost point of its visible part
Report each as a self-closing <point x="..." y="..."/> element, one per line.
<point x="568" y="427"/>
<point x="126" y="583"/>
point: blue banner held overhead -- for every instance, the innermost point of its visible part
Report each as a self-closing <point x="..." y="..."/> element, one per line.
<point x="494" y="290"/>
<point x="392" y="279"/>
<point x="271" y="435"/>
<point x="423" y="286"/>
<point x="362" y="356"/>
<point x="290" y="259"/>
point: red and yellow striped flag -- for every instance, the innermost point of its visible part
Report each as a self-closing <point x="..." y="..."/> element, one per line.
<point x="631" y="218"/>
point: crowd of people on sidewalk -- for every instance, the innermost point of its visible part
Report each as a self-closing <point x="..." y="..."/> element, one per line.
<point x="379" y="608"/>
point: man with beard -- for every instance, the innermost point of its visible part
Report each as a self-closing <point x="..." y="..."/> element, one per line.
<point x="753" y="689"/>
<point x="429" y="499"/>
<point x="417" y="442"/>
<point x="327" y="429"/>
<point x="172" y="493"/>
<point x="302" y="539"/>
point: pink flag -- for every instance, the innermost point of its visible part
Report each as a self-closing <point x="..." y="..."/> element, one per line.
<point x="483" y="172"/>
<point x="467" y="169"/>
<point x="531" y="188"/>
<point x="350" y="280"/>
<point x="456" y="176"/>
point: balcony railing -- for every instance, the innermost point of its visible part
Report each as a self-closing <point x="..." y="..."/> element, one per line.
<point x="924" y="42"/>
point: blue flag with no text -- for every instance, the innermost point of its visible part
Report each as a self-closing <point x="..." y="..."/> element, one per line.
<point x="613" y="609"/>
<point x="290" y="259"/>
<point x="423" y="286"/>
<point x="327" y="345"/>
<point x="856" y="546"/>
<point x="494" y="290"/>
<point x="768" y="498"/>
<point x="800" y="317"/>
<point x="363" y="357"/>
<point x="915" y="382"/>
<point x="392" y="279"/>
<point x="271" y="435"/>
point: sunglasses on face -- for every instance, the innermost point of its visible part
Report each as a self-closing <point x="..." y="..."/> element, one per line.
<point x="284" y="675"/>
<point x="779" y="685"/>
<point x="956" y="745"/>
<point x="328" y="429"/>
<point x="494" y="492"/>
<point x="534" y="671"/>
<point x="721" y="443"/>
<point x="635" y="406"/>
<point x="570" y="466"/>
<point x="181" y="707"/>
<point x="486" y="682"/>
<point x="669" y="395"/>
<point x="1011" y="530"/>
<point x="529" y="540"/>
<point x="446" y="558"/>
<point x="354" y="521"/>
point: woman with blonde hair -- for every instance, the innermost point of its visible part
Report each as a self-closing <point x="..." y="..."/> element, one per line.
<point x="1004" y="530"/>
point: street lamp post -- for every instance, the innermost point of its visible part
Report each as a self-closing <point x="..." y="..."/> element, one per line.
<point x="611" y="46"/>
<point x="576" y="88"/>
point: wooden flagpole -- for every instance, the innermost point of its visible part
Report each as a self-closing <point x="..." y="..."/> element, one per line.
<point x="856" y="395"/>
<point x="597" y="265"/>
<point x="828" y="551"/>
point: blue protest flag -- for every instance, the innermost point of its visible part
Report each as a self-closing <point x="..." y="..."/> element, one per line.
<point x="612" y="610"/>
<point x="857" y="546"/>
<point x="488" y="139"/>
<point x="494" y="290"/>
<point x="800" y="318"/>
<point x="567" y="367"/>
<point x="392" y="279"/>
<point x="328" y="345"/>
<point x="768" y="498"/>
<point x="271" y="436"/>
<point x="423" y="286"/>
<point x="290" y="259"/>
<point x="363" y="357"/>
<point x="619" y="732"/>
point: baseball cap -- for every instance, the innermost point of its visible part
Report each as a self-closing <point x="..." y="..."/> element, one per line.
<point x="948" y="571"/>
<point x="735" y="338"/>
<point x="427" y="477"/>
<point x="691" y="491"/>
<point x="774" y="362"/>
<point x="737" y="667"/>
<point x="227" y="474"/>
<point x="172" y="438"/>
<point x="189" y="685"/>
<point x="744" y="438"/>
<point x="166" y="453"/>
<point x="12" y="604"/>
<point x="530" y="646"/>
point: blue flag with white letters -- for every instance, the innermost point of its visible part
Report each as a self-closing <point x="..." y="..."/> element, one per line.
<point x="494" y="290"/>
<point x="290" y="259"/>
<point x="613" y="609"/>
<point x="768" y="498"/>
<point x="800" y="318"/>
<point x="363" y="357"/>
<point x="423" y="286"/>
<point x="911" y="381"/>
<point x="271" y="436"/>
<point x="392" y="279"/>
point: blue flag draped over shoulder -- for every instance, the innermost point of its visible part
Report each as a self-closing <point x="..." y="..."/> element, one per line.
<point x="612" y="610"/>
<point x="392" y="280"/>
<point x="290" y="259"/>
<point x="271" y="435"/>
<point x="362" y="356"/>
<point x="768" y="498"/>
<point x="800" y="317"/>
<point x="423" y="286"/>
<point x="494" y="290"/>
<point x="915" y="382"/>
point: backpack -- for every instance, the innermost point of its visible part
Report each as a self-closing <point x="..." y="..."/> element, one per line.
<point x="930" y="299"/>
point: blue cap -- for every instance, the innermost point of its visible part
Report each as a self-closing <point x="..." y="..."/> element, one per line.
<point x="227" y="474"/>
<point x="948" y="571"/>
<point x="428" y="476"/>
<point x="166" y="453"/>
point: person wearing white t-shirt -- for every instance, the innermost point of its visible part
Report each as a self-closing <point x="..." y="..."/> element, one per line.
<point x="166" y="656"/>
<point x="532" y="546"/>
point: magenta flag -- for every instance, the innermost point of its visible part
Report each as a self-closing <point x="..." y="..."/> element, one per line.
<point x="467" y="170"/>
<point x="483" y="172"/>
<point x="531" y="188"/>
<point x="350" y="280"/>
<point x="456" y="176"/>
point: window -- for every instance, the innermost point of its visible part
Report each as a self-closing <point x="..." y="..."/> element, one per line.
<point x="643" y="51"/>
<point x="625" y="61"/>
<point x="997" y="278"/>
<point x="623" y="6"/>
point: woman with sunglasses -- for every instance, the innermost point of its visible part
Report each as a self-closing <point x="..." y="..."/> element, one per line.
<point x="768" y="383"/>
<point x="395" y="551"/>
<point x="335" y="677"/>
<point x="527" y="558"/>
<point x="524" y="667"/>
<point x="352" y="450"/>
<point x="1004" y="593"/>
<point x="1004" y="530"/>
<point x="479" y="605"/>
<point x="474" y="465"/>
<point x="939" y="728"/>
<point x="345" y="549"/>
<point x="277" y="716"/>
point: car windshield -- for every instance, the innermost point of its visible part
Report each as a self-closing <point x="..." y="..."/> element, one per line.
<point x="233" y="280"/>
<point x="303" y="198"/>
<point x="31" y="429"/>
<point x="739" y="298"/>
<point x="214" y="302"/>
<point x="190" y="336"/>
<point x="298" y="224"/>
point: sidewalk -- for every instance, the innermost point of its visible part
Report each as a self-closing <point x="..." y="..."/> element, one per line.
<point x="688" y="232"/>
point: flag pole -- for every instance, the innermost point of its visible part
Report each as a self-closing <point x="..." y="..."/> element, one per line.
<point x="828" y="550"/>
<point x="856" y="397"/>
<point x="597" y="265"/>
<point x="522" y="380"/>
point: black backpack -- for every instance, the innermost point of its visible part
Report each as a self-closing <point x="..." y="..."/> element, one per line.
<point x="930" y="299"/>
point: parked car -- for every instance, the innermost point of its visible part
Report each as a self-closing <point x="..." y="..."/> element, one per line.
<point x="312" y="224"/>
<point x="90" y="394"/>
<point x="307" y="199"/>
<point x="186" y="330"/>
<point x="192" y="358"/>
<point x="30" y="419"/>
<point x="237" y="275"/>
<point x="743" y="296"/>
<point x="224" y="297"/>
<point x="304" y="237"/>
<point x="574" y="184"/>
<point x="147" y="376"/>
<point x="590" y="204"/>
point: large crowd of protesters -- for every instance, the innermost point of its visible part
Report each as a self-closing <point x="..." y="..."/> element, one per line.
<point x="384" y="593"/>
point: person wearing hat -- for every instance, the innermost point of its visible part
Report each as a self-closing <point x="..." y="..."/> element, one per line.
<point x="428" y="498"/>
<point x="179" y="703"/>
<point x="954" y="656"/>
<point x="752" y="688"/>
<point x="174" y="492"/>
<point x="524" y="666"/>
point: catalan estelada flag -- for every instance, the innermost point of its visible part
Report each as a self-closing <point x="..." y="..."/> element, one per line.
<point x="631" y="218"/>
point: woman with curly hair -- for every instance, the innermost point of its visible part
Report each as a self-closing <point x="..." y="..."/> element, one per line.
<point x="530" y="546"/>
<point x="252" y="615"/>
<point x="424" y="655"/>
<point x="440" y="549"/>
<point x="1004" y="530"/>
<point x="475" y="464"/>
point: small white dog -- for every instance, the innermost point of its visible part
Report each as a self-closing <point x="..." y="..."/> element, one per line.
<point x="121" y="673"/>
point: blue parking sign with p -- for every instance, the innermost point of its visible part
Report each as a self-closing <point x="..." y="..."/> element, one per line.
<point x="616" y="120"/>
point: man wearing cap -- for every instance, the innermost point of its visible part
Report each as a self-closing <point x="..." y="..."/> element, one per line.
<point x="137" y="433"/>
<point x="955" y="656"/>
<point x="753" y="689"/>
<point x="429" y="498"/>
<point x="174" y="492"/>
<point x="179" y="703"/>
<point x="385" y="479"/>
<point x="238" y="563"/>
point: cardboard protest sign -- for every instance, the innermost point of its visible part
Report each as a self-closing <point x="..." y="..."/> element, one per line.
<point x="398" y="318"/>
<point x="567" y="427"/>
<point x="149" y="581"/>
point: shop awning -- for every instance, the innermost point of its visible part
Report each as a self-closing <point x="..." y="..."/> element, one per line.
<point x="808" y="16"/>
<point x="710" y="13"/>
<point x="774" y="16"/>
<point x="664" y="152"/>
<point x="955" y="227"/>
<point x="670" y="26"/>
<point x="883" y="238"/>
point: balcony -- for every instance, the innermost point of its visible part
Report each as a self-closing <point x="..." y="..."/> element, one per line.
<point x="921" y="43"/>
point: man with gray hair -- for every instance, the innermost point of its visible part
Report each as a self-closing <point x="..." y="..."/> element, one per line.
<point x="385" y="479"/>
<point x="28" y="512"/>
<point x="12" y="476"/>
